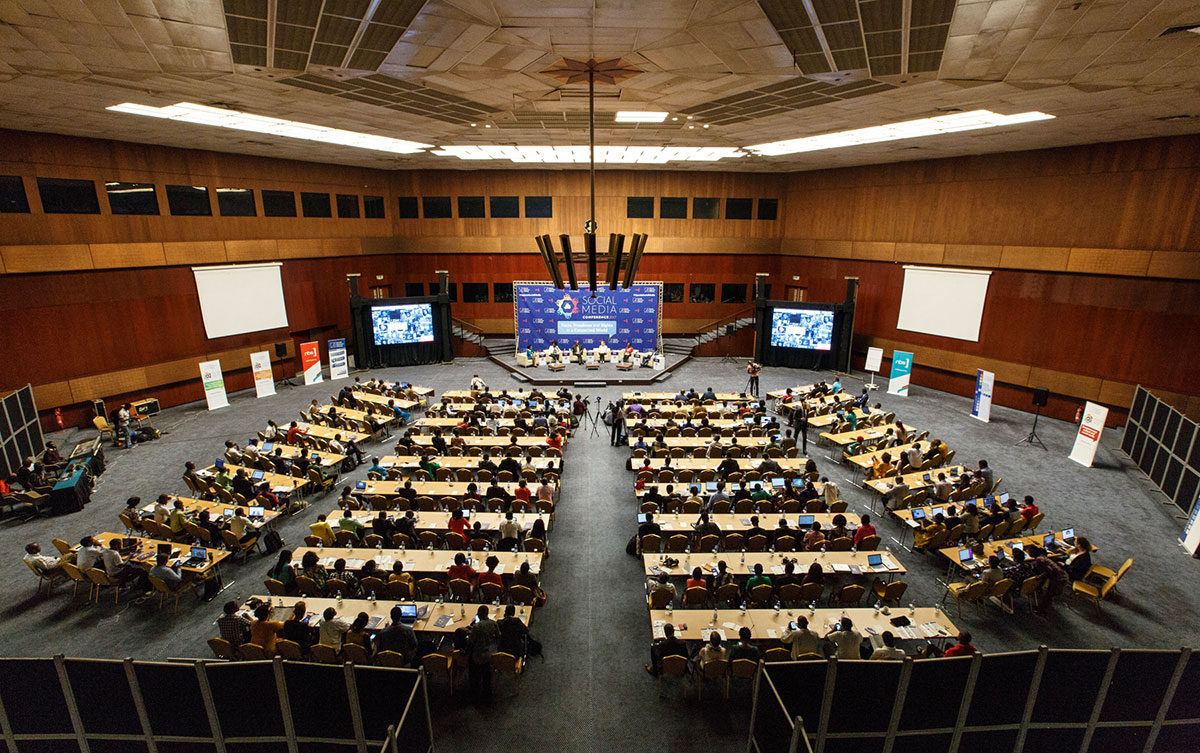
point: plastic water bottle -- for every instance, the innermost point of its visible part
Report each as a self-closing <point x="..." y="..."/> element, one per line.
<point x="670" y="607"/>
<point x="714" y="617"/>
<point x="778" y="606"/>
<point x="912" y="607"/>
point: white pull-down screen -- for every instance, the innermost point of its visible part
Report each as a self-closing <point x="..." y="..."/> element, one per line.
<point x="238" y="299"/>
<point x="944" y="302"/>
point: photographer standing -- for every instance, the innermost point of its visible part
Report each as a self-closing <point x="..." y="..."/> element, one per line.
<point x="753" y="369"/>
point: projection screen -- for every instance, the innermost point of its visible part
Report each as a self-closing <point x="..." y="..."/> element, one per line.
<point x="944" y="302"/>
<point x="242" y="298"/>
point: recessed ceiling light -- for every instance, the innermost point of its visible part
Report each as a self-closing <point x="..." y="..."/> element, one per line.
<point x="474" y="124"/>
<point x="675" y="118"/>
<point x="690" y="117"/>
<point x="640" y="116"/>
<point x="706" y="125"/>
<point x="960" y="121"/>
<point x="189" y="112"/>
<point x="604" y="154"/>
<point x="487" y="125"/>
<point x="691" y="126"/>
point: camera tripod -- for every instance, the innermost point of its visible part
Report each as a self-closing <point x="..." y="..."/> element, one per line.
<point x="1033" y="438"/>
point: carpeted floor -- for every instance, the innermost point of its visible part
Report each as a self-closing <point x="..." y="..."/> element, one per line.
<point x="591" y="691"/>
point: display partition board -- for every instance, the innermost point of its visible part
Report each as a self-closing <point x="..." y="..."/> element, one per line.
<point x="1088" y="436"/>
<point x="1165" y="444"/>
<point x="543" y="313"/>
<point x="982" y="407"/>
<point x="20" y="430"/>
<point x="902" y="363"/>
<point x="264" y="377"/>
<point x="338" y="366"/>
<point x="310" y="361"/>
<point x="214" y="384"/>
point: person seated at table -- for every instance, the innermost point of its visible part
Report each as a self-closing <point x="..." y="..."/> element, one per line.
<point x="554" y="353"/>
<point x="705" y="527"/>
<point x="846" y="641"/>
<point x="801" y="640"/>
<point x="660" y="584"/>
<point x="51" y="458"/>
<point x="399" y="413"/>
<point x="1028" y="509"/>
<point x="511" y="464"/>
<point x="962" y="647"/>
<point x="241" y="527"/>
<point x="43" y="563"/>
<point x="697" y="580"/>
<point x="554" y="441"/>
<point x="744" y="648"/>
<point x="264" y="631"/>
<point x="296" y="628"/>
<point x="888" y="650"/>
<point x="881" y="465"/>
<point x="332" y="629"/>
<point x="491" y="576"/>
<point x="648" y="358"/>
<point x="627" y="353"/>
<point x="522" y="491"/>
<point x="310" y="567"/>
<point x="1079" y="559"/>
<point x="789" y="576"/>
<point x="398" y="575"/>
<point x="284" y="572"/>
<point x="233" y="627"/>
<point x="814" y="539"/>
<point x="669" y="645"/>
<point x="349" y="523"/>
<point x="838" y="529"/>
<point x="927" y="530"/>
<point x="894" y="498"/>
<point x="459" y="524"/>
<point x="221" y="476"/>
<point x="383" y="527"/>
<point x="1020" y="569"/>
<point x="758" y="578"/>
<point x="88" y="554"/>
<point x="173" y="577"/>
<point x="160" y="512"/>
<point x="756" y="530"/>
<point x="339" y="572"/>
<point x="711" y="651"/>
<point x="323" y="531"/>
<point x="913" y="457"/>
<point x="460" y="570"/>
<point x="242" y="485"/>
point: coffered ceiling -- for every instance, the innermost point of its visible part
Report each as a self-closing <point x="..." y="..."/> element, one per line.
<point x="474" y="72"/>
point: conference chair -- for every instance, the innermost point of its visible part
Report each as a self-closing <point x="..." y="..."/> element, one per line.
<point x="440" y="663"/>
<point x="100" y="580"/>
<point x="307" y="586"/>
<point x="104" y="427"/>
<point x="696" y="596"/>
<point x="355" y="653"/>
<point x="344" y="538"/>
<point x="429" y="587"/>
<point x="320" y="482"/>
<point x="673" y="666"/>
<point x="659" y="599"/>
<point x="373" y="586"/>
<point x="777" y="654"/>
<point x="324" y="654"/>
<point x="716" y="670"/>
<point x="972" y="593"/>
<point x="233" y="544"/>
<point x="999" y="593"/>
<point x="51" y="577"/>
<point x="505" y="663"/>
<point x="289" y="650"/>
<point x="523" y="595"/>
<point x="274" y="587"/>
<point x="76" y="575"/>
<point x="889" y="592"/>
<point x="222" y="649"/>
<point x="164" y="590"/>
<point x="251" y="652"/>
<point x="849" y="595"/>
<point x="1030" y="587"/>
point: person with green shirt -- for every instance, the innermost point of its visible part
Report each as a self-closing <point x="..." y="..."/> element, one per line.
<point x="348" y="523"/>
<point x="429" y="467"/>
<point x="222" y="476"/>
<point x="758" y="579"/>
<point x="760" y="493"/>
<point x="177" y="516"/>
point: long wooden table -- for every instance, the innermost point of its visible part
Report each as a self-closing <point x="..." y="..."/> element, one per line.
<point x="694" y="442"/>
<point x="146" y="552"/>
<point x="799" y="389"/>
<point x="980" y="560"/>
<point x="772" y="562"/>
<point x="905" y="514"/>
<point x="279" y="483"/>
<point x="915" y="480"/>
<point x="457" y="615"/>
<point x="721" y="397"/>
<point x="716" y="423"/>
<point x="327" y="459"/>
<point x="456" y="462"/>
<point x="423" y="561"/>
<point x="672" y="524"/>
<point x="730" y="486"/>
<point x="449" y="423"/>
<point x="866" y="460"/>
<point x="378" y="420"/>
<point x="382" y="401"/>
<point x="495" y="442"/>
<point x="702" y="464"/>
<point x="489" y="522"/>
<point x="561" y="407"/>
<point x="828" y="419"/>
<point x="435" y="489"/>
<point x="220" y="512"/>
<point x="328" y="432"/>
<point x="766" y="624"/>
<point x="868" y="433"/>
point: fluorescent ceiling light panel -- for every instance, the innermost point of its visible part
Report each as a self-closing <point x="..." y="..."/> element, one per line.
<point x="611" y="155"/>
<point x="959" y="121"/>
<point x="188" y="112"/>
<point x="640" y="116"/>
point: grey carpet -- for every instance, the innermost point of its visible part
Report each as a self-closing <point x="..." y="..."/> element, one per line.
<point x="591" y="690"/>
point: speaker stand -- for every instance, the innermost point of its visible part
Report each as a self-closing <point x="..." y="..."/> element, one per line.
<point x="1033" y="438"/>
<point x="285" y="382"/>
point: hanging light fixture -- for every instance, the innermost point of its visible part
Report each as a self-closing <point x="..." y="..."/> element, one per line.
<point x="611" y="71"/>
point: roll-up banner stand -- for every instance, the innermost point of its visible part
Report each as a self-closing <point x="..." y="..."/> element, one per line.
<point x="1088" y="436"/>
<point x="338" y="367"/>
<point x="1190" y="538"/>
<point x="310" y="361"/>
<point x="902" y="363"/>
<point x="982" y="408"/>
<point x="214" y="384"/>
<point x="264" y="377"/>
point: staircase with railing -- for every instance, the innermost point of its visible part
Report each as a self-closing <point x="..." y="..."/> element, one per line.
<point x="471" y="336"/>
<point x="709" y="332"/>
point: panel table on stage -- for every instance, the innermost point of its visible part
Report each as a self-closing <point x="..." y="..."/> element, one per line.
<point x="418" y="561"/>
<point x="868" y="434"/>
<point x="328" y="432"/>
<point x="923" y="623"/>
<point x="143" y="552"/>
<point x="847" y="563"/>
<point x="278" y="483"/>
<point x="445" y="617"/>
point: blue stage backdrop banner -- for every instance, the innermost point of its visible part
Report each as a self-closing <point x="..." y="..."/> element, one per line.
<point x="544" y="313"/>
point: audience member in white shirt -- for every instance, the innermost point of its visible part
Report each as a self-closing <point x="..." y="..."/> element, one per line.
<point x="888" y="650"/>
<point x="41" y="562"/>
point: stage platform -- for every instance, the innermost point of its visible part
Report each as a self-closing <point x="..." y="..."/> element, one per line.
<point x="574" y="373"/>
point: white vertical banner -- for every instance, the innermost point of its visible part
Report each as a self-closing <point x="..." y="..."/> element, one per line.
<point x="264" y="377"/>
<point x="338" y="367"/>
<point x="1190" y="538"/>
<point x="982" y="408"/>
<point x="214" y="384"/>
<point x="902" y="363"/>
<point x="1088" y="437"/>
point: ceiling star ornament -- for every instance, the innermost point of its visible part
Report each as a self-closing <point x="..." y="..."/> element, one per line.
<point x="612" y="71"/>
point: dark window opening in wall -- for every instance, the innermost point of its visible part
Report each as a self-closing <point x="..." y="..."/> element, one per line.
<point x="739" y="209"/>
<point x="475" y="292"/>
<point x="451" y="289"/>
<point x="347" y="206"/>
<point x="315" y="204"/>
<point x="539" y="206"/>
<point x="504" y="206"/>
<point x="436" y="207"/>
<point x="131" y="198"/>
<point x="236" y="202"/>
<point x="373" y="207"/>
<point x="639" y="207"/>
<point x="279" y="204"/>
<point x="672" y="208"/>
<point x="189" y="201"/>
<point x="67" y="196"/>
<point x="703" y="292"/>
<point x="733" y="292"/>
<point x="407" y="207"/>
<point x="768" y="209"/>
<point x="381" y="291"/>
<point x="672" y="292"/>
<point x="12" y="195"/>
<point x="767" y="291"/>
<point x="502" y="292"/>
<point x="706" y="209"/>
<point x="470" y="206"/>
<point x="415" y="289"/>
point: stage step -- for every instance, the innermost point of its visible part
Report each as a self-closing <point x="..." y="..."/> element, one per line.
<point x="500" y="346"/>
<point x="678" y="345"/>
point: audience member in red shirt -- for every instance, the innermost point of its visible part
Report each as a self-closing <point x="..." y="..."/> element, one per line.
<point x="458" y="524"/>
<point x="864" y="530"/>
<point x="522" y="491"/>
<point x="1029" y="510"/>
<point x="963" y="647"/>
<point x="491" y="576"/>
<point x="294" y="431"/>
<point x="460" y="570"/>
<point x="697" y="580"/>
<point x="555" y="441"/>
